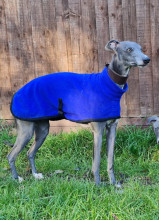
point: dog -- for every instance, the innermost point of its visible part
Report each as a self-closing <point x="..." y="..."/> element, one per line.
<point x="155" y="122"/>
<point x="106" y="90"/>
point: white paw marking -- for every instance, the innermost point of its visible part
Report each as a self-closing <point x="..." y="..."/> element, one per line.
<point x="118" y="185"/>
<point x="20" y="179"/>
<point x="119" y="188"/>
<point x="38" y="176"/>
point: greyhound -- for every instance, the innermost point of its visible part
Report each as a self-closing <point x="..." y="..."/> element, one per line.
<point x="155" y="122"/>
<point x="127" y="54"/>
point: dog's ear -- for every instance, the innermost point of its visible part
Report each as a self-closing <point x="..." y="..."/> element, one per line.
<point x="152" y="119"/>
<point x="111" y="45"/>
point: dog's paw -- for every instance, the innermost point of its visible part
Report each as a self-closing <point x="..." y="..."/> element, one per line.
<point x="20" y="179"/>
<point x="38" y="176"/>
<point x="118" y="185"/>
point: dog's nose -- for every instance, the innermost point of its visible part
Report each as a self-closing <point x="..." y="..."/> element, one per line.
<point x="147" y="60"/>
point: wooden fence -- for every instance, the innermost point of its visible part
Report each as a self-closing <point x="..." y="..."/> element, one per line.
<point x="38" y="37"/>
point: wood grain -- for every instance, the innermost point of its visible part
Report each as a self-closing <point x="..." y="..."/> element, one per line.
<point x="144" y="38"/>
<point x="154" y="9"/>
<point x="116" y="32"/>
<point x="130" y="33"/>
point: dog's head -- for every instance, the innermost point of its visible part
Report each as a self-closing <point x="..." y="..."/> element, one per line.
<point x="128" y="52"/>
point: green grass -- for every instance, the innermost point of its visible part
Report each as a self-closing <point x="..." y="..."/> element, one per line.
<point x="72" y="194"/>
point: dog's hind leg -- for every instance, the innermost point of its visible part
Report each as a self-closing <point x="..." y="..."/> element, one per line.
<point x="41" y="132"/>
<point x="25" y="132"/>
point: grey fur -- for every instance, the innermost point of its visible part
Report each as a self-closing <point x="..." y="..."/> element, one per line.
<point x="155" y="123"/>
<point x="126" y="55"/>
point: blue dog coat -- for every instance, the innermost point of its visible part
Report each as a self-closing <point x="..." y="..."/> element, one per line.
<point x="76" y="97"/>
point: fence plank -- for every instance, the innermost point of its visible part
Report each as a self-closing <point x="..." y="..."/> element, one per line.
<point x="102" y="31"/>
<point x="154" y="6"/>
<point x="130" y="33"/>
<point x="49" y="33"/>
<point x="26" y="41"/>
<point x="116" y="32"/>
<point x="39" y="41"/>
<point x="61" y="48"/>
<point x="66" y="20"/>
<point x="115" y="19"/>
<point x="144" y="38"/>
<point x="88" y="44"/>
<point x="5" y="77"/>
<point x="75" y="21"/>
<point x="14" y="44"/>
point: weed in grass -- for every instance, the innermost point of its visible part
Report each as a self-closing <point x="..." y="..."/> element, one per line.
<point x="72" y="193"/>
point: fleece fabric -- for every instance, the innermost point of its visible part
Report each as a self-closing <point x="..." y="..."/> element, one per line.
<point x="77" y="97"/>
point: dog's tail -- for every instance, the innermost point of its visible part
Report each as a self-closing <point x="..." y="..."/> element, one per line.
<point x="8" y="143"/>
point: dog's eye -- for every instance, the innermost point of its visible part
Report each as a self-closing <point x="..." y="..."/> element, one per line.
<point x="129" y="50"/>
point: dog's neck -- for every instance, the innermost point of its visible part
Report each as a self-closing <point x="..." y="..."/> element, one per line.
<point x="117" y="66"/>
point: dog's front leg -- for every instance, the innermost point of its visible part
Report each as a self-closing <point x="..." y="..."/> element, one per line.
<point x="97" y="128"/>
<point x="111" y="134"/>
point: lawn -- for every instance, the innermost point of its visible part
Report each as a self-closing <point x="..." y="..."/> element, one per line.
<point x="68" y="191"/>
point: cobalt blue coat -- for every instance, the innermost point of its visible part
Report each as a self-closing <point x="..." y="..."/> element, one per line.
<point x="77" y="97"/>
